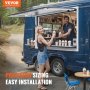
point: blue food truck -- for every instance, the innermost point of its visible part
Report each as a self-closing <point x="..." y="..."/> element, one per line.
<point x="61" y="56"/>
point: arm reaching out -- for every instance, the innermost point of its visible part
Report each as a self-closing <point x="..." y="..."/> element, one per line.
<point x="66" y="34"/>
<point x="45" y="42"/>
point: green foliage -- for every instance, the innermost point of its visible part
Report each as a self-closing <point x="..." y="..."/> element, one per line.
<point x="15" y="29"/>
<point x="54" y="0"/>
<point x="2" y="13"/>
<point x="37" y="2"/>
<point x="2" y="10"/>
<point x="3" y="36"/>
<point x="25" y="5"/>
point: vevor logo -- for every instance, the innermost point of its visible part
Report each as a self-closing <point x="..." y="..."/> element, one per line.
<point x="11" y="3"/>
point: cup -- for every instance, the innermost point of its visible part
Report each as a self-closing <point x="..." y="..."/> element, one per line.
<point x="59" y="34"/>
<point x="84" y="70"/>
<point x="54" y="32"/>
<point x="63" y="43"/>
<point x="56" y="43"/>
<point x="87" y="72"/>
<point x="60" y="42"/>
<point x="69" y="43"/>
<point x="31" y="42"/>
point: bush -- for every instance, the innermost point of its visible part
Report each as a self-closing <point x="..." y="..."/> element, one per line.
<point x="2" y="58"/>
<point x="2" y="40"/>
<point x="3" y="36"/>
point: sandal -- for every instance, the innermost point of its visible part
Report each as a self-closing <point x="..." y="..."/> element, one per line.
<point x="39" y="87"/>
<point x="42" y="87"/>
<point x="45" y="84"/>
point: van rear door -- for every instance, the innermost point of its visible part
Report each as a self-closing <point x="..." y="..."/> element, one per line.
<point x="88" y="44"/>
<point x="29" y="33"/>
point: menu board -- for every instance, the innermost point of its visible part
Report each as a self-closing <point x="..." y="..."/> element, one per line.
<point x="49" y="19"/>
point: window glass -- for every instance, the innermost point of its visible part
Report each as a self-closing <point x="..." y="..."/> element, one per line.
<point x="47" y="27"/>
<point x="56" y="27"/>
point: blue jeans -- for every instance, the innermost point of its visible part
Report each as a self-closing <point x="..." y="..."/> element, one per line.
<point x="42" y="57"/>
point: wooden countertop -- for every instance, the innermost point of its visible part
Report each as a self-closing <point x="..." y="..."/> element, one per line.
<point x="82" y="75"/>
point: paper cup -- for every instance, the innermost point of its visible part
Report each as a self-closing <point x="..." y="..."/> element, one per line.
<point x="56" y="43"/>
<point x="63" y="43"/>
<point x="87" y="72"/>
<point x="59" y="34"/>
<point x="69" y="43"/>
<point x="54" y="32"/>
<point x="60" y="42"/>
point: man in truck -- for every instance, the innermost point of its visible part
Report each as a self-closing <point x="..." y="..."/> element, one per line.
<point x="68" y="30"/>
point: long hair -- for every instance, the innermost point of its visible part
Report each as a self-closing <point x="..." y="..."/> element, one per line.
<point x="37" y="28"/>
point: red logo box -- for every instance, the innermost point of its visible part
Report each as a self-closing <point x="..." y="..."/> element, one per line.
<point x="11" y="3"/>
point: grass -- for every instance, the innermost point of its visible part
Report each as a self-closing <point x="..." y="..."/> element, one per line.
<point x="10" y="29"/>
<point x="4" y="33"/>
<point x="15" y="29"/>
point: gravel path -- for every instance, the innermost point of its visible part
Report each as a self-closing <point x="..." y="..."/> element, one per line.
<point x="13" y="53"/>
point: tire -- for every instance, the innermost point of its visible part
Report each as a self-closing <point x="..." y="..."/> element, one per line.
<point x="36" y="65"/>
<point x="57" y="67"/>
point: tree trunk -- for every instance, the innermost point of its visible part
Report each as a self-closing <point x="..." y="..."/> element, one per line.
<point x="0" y="22"/>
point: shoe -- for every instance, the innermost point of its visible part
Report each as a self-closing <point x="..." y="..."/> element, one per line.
<point x="42" y="87"/>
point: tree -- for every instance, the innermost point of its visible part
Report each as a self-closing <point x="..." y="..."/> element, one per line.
<point x="37" y="2"/>
<point x="2" y="13"/>
<point x="10" y="20"/>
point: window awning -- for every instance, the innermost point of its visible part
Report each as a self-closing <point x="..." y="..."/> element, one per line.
<point x="52" y="8"/>
<point x="43" y="11"/>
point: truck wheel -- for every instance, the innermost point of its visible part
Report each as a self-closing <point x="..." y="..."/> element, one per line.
<point x="57" y="67"/>
<point x="36" y="65"/>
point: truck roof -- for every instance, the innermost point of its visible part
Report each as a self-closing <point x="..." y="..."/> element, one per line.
<point x="70" y="3"/>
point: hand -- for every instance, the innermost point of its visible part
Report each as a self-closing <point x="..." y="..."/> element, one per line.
<point x="53" y="35"/>
<point x="61" y="35"/>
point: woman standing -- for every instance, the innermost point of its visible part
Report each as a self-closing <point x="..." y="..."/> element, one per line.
<point x="42" y="56"/>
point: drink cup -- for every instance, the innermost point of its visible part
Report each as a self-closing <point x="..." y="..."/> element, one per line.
<point x="84" y="70"/>
<point x="54" y="32"/>
<point x="87" y="72"/>
<point x="63" y="43"/>
<point x="31" y="42"/>
<point x="69" y="43"/>
<point x="56" y="43"/>
<point x="60" y="42"/>
<point x="59" y="34"/>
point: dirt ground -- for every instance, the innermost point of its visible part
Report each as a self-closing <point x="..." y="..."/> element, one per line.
<point x="12" y="53"/>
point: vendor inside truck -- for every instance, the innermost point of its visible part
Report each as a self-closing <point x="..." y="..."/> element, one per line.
<point x="68" y="29"/>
